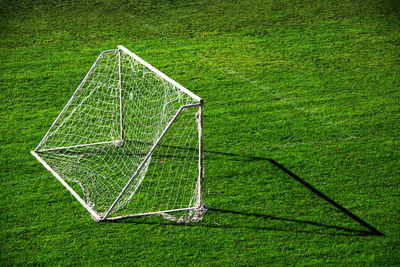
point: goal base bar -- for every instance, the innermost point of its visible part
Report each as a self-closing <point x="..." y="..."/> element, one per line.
<point x="147" y="214"/>
<point x="76" y="146"/>
<point x="94" y="214"/>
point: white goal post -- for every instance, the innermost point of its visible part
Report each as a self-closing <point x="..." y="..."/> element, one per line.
<point x="129" y="142"/>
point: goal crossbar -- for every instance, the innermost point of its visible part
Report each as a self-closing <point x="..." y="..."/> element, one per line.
<point x="162" y="75"/>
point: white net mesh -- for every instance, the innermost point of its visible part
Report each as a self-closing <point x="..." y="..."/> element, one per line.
<point x="107" y="132"/>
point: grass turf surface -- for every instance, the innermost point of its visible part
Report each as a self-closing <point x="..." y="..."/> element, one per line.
<point x="310" y="85"/>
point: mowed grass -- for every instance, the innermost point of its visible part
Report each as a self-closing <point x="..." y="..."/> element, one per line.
<point x="310" y="85"/>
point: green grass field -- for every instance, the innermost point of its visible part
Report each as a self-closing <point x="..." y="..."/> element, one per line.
<point x="294" y="91"/>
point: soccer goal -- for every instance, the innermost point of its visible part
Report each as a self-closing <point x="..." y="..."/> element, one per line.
<point x="129" y="142"/>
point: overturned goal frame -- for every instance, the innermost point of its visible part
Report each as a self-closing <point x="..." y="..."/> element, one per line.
<point x="129" y="142"/>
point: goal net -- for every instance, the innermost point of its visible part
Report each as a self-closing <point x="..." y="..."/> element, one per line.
<point x="129" y="142"/>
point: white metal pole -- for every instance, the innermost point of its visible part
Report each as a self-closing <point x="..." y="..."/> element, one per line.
<point x="201" y="156"/>
<point x="94" y="214"/>
<point x="159" y="73"/>
<point x="121" y="109"/>
<point x="74" y="146"/>
<point x="145" y="214"/>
